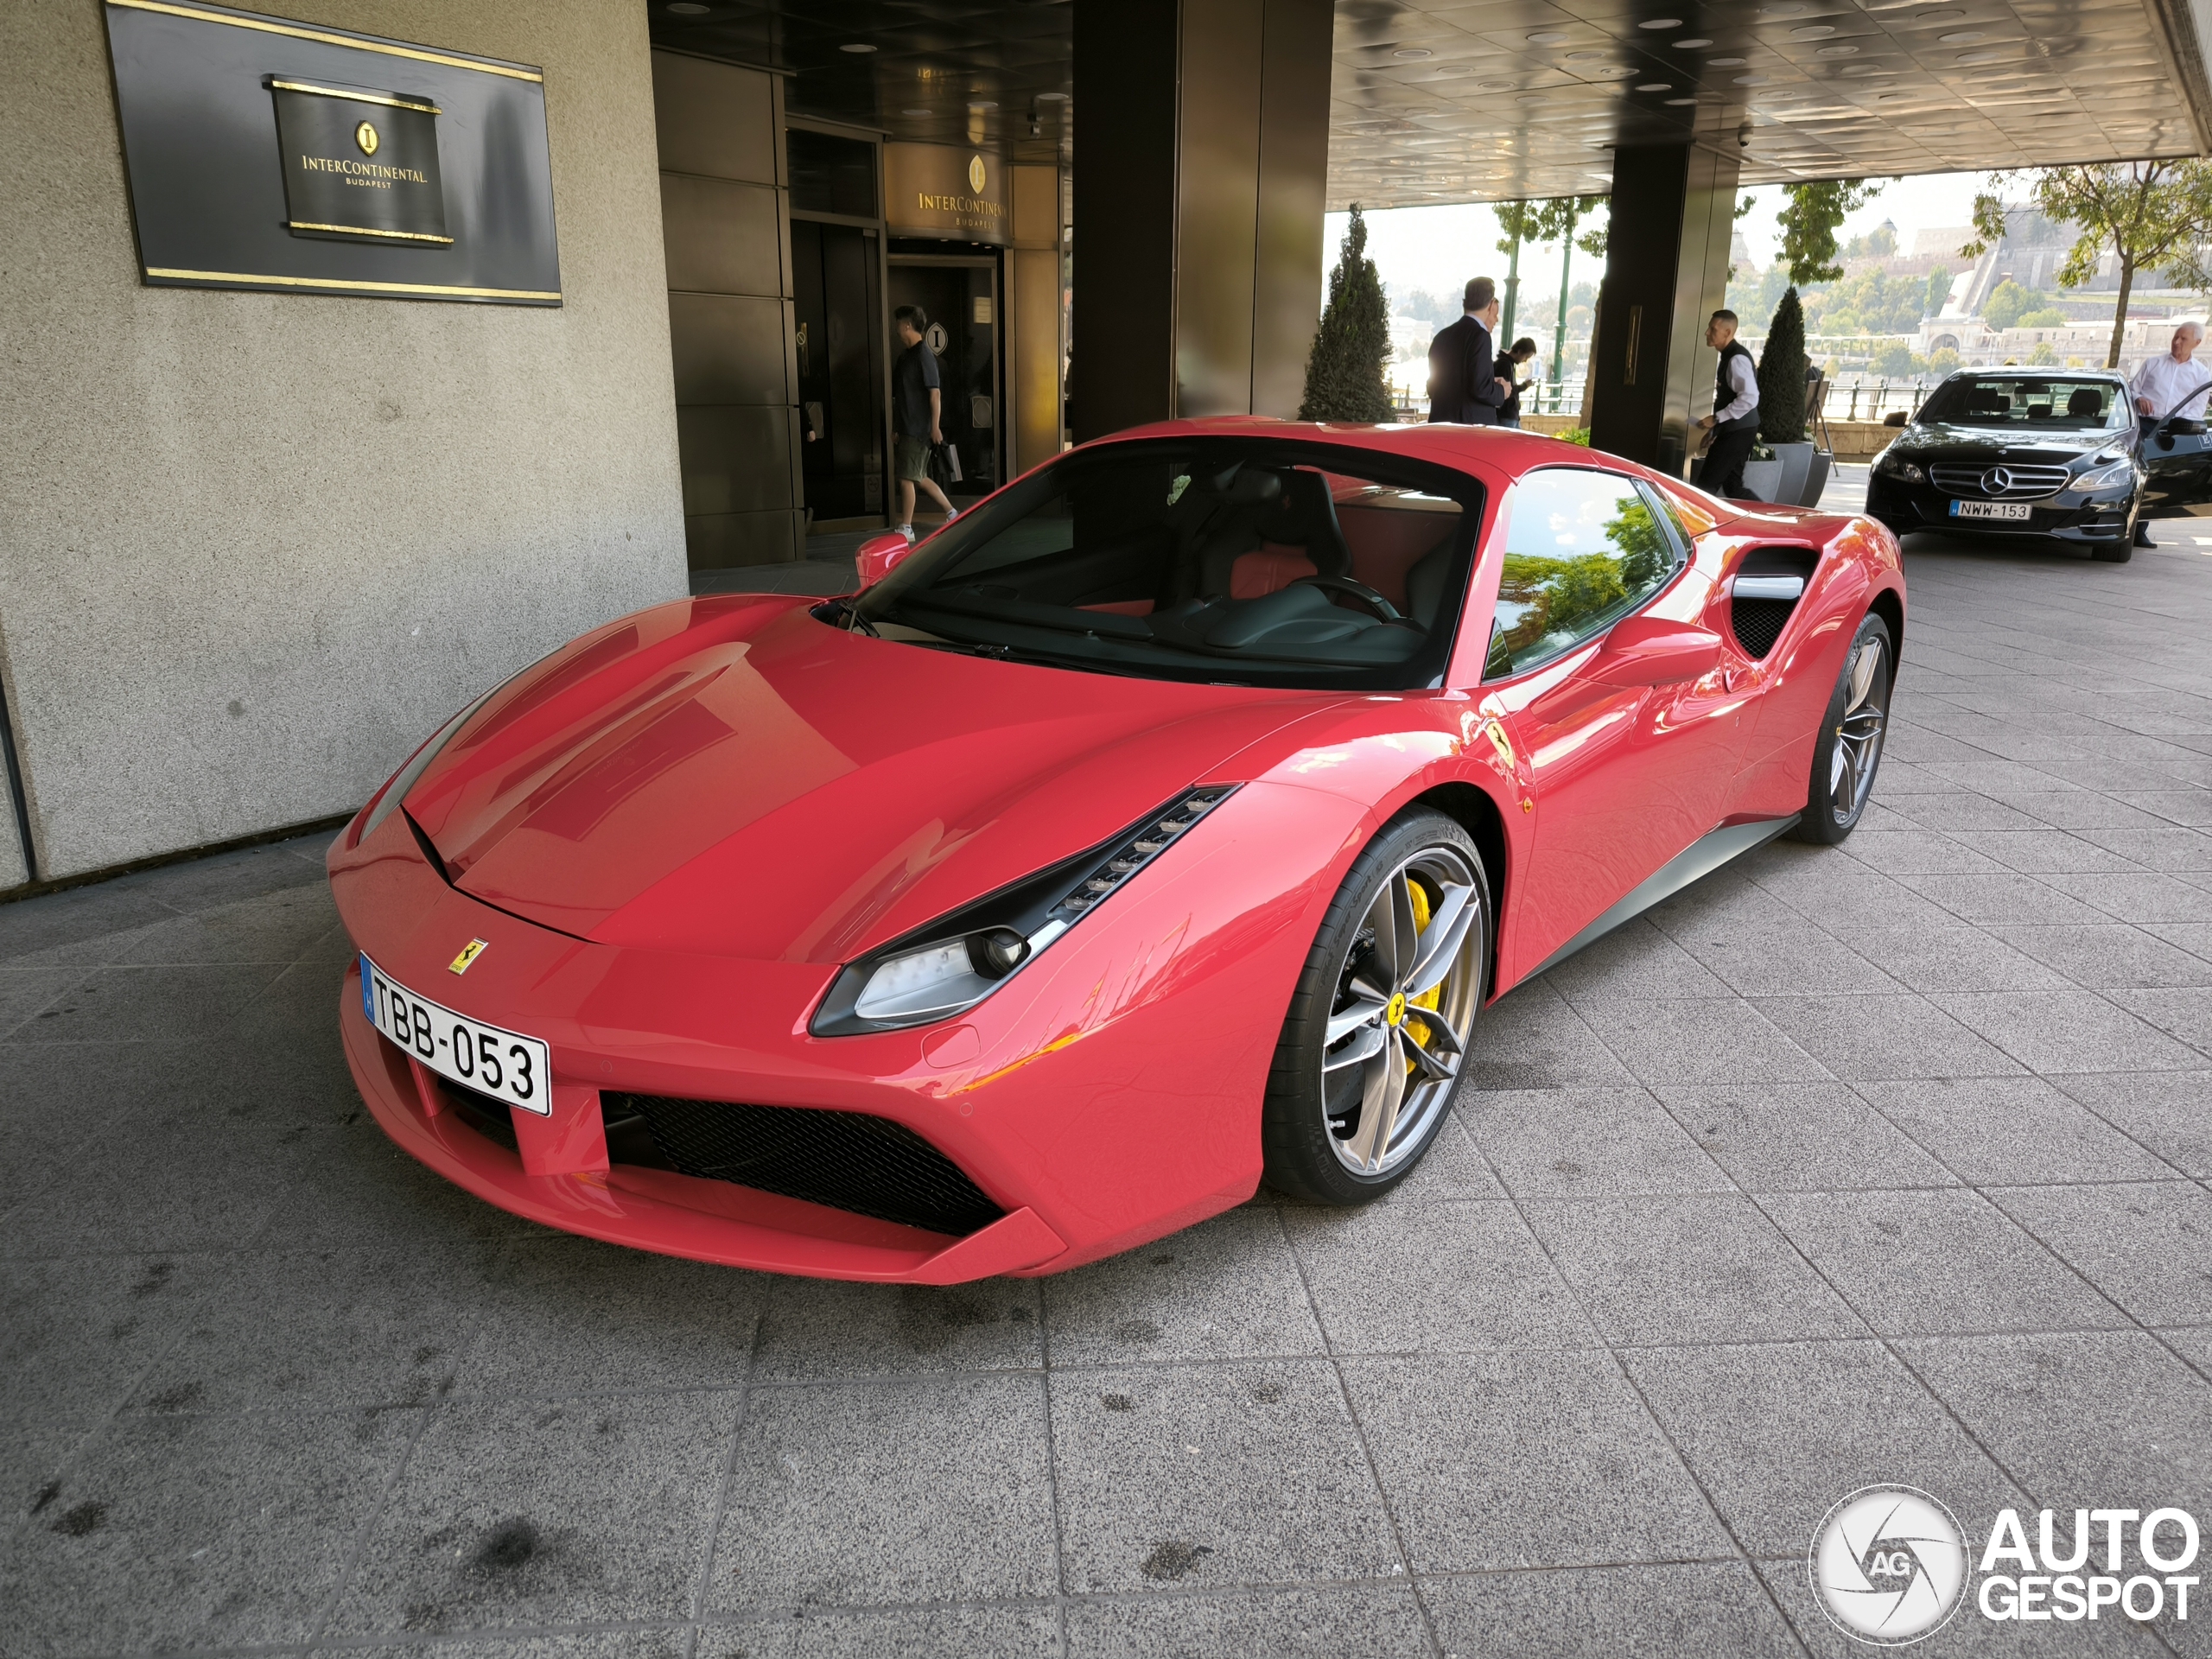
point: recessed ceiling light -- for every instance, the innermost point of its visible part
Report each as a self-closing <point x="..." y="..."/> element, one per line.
<point x="1944" y="15"/>
<point x="1979" y="57"/>
<point x="1890" y="97"/>
<point x="857" y="46"/>
<point x="688" y="9"/>
<point x="1413" y="52"/>
<point x="981" y="104"/>
<point x="1750" y="80"/>
<point x="1963" y="37"/>
<point x="1493" y="86"/>
<point x="1726" y="63"/>
<point x="1868" y="69"/>
<point x="1657" y="86"/>
<point x="1815" y="32"/>
<point x="1582" y="57"/>
<point x="916" y="112"/>
<point x="1661" y="22"/>
<point x="1678" y="102"/>
<point x="1691" y="45"/>
<point x="1052" y="98"/>
<point x="1532" y="98"/>
<point x="1837" y="52"/>
<point x="1549" y="37"/>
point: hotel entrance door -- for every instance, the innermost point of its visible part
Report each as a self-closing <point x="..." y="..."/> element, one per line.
<point x="960" y="293"/>
<point x="838" y="315"/>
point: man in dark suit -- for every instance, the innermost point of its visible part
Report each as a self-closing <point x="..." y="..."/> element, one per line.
<point x="1464" y="384"/>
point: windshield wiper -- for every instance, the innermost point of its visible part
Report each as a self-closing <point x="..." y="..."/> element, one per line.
<point x="854" y="622"/>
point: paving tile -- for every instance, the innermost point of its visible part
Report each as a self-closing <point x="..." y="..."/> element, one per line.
<point x="170" y="1531"/>
<point x="576" y="1316"/>
<point x="25" y="991"/>
<point x="1860" y="1037"/>
<point x="2066" y="1031"/>
<point x="1588" y="1142"/>
<point x="133" y="1005"/>
<point x="1664" y="1613"/>
<point x="1799" y="962"/>
<point x="1708" y="1042"/>
<point x="1248" y="1472"/>
<point x="2169" y="849"/>
<point x="272" y="927"/>
<point x="1800" y="1137"/>
<point x="2147" y="1245"/>
<point x="1509" y="1461"/>
<point x="1951" y="958"/>
<point x="1635" y="962"/>
<point x="2042" y="852"/>
<point x="1530" y="1038"/>
<point x="1687" y="1270"/>
<point x="1824" y="885"/>
<point x="1918" y="852"/>
<point x="924" y="1490"/>
<point x="329" y="1329"/>
<point x="1444" y="1277"/>
<point x="2022" y="899"/>
<point x="821" y="1329"/>
<point x="1228" y="1287"/>
<point x="516" y="1512"/>
<point x="1779" y="1431"/>
<point x="2108" y="956"/>
<point x="1349" y="1622"/>
<point x="1967" y="1634"/>
<point x="2191" y="807"/>
<point x="2012" y="1130"/>
<point x="1918" y="1263"/>
<point x="2080" y="1416"/>
<point x="2195" y="937"/>
<point x="911" y="1633"/>
<point x="1959" y="811"/>
<point x="84" y="926"/>
<point x="2150" y="897"/>
<point x="669" y="1641"/>
<point x="1729" y="899"/>
<point x="2168" y="1112"/>
<point x="2185" y="1015"/>
<point x="198" y="885"/>
<point x="2079" y="810"/>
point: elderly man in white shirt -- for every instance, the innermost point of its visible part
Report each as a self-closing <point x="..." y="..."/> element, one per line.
<point x="2162" y="385"/>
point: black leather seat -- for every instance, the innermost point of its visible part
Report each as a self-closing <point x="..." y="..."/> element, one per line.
<point x="1303" y="517"/>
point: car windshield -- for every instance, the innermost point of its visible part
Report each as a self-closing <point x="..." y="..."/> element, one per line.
<point x="1259" y="560"/>
<point x="2076" y="405"/>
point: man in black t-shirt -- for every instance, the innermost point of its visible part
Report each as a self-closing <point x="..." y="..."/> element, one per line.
<point x="917" y="406"/>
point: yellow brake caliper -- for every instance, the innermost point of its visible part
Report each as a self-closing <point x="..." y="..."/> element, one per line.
<point x="1418" y="1029"/>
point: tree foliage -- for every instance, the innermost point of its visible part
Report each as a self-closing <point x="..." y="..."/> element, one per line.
<point x="1810" y="216"/>
<point x="2006" y="301"/>
<point x="1552" y="221"/>
<point x="2152" y="215"/>
<point x="1344" y="376"/>
<point x="1782" y="375"/>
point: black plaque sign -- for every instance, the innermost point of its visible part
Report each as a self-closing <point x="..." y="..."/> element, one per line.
<point x="360" y="164"/>
<point x="297" y="158"/>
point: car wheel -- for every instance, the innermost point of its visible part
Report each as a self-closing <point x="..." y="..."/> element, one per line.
<point x="1850" y="745"/>
<point x="1376" y="1039"/>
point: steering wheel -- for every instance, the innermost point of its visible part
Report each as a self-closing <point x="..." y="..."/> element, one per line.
<point x="1358" y="590"/>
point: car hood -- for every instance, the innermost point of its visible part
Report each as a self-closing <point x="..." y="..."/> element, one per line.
<point x="734" y="776"/>
<point x="1942" y="441"/>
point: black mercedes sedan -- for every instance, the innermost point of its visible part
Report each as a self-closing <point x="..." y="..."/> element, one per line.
<point x="2019" y="453"/>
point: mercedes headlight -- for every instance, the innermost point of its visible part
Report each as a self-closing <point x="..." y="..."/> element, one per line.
<point x="956" y="961"/>
<point x="1891" y="464"/>
<point x="2121" y="469"/>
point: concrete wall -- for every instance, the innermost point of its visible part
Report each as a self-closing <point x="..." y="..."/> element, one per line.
<point x="254" y="546"/>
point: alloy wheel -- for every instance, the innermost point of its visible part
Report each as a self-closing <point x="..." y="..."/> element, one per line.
<point x="1406" y="1001"/>
<point x="1857" y="748"/>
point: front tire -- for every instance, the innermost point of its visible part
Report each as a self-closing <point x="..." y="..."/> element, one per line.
<point x="1376" y="1039"/>
<point x="1849" y="751"/>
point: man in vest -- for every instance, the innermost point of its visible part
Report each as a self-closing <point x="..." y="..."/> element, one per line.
<point x="1734" y="421"/>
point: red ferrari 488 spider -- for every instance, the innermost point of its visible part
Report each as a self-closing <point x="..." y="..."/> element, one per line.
<point x="1164" y="823"/>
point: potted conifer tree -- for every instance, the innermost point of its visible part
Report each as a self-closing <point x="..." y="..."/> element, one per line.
<point x="1781" y="400"/>
<point x="1344" y="376"/>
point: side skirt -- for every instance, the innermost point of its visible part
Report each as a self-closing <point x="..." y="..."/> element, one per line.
<point x="1693" y="864"/>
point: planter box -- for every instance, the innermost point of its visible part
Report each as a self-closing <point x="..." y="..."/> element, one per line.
<point x="1796" y="460"/>
<point x="1762" y="478"/>
<point x="1816" y="481"/>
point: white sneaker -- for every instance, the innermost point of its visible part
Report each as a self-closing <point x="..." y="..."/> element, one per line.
<point x="950" y="513"/>
<point x="907" y="531"/>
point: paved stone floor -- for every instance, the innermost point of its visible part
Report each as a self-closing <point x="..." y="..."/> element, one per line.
<point x="1875" y="1165"/>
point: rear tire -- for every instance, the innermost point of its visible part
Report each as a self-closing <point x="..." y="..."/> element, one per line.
<point x="1345" y="1121"/>
<point x="1849" y="751"/>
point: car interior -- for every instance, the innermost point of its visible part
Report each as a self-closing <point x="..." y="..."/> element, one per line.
<point x="1255" y="551"/>
<point x="2009" y="400"/>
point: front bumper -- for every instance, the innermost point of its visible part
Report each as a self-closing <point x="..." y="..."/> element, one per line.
<point x="2091" y="519"/>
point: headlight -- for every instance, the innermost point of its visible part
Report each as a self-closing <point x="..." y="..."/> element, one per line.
<point x="405" y="778"/>
<point x="955" y="961"/>
<point x="2108" y="478"/>
<point x="1890" y="464"/>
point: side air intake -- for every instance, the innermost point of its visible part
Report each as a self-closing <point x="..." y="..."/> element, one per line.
<point x="1764" y="593"/>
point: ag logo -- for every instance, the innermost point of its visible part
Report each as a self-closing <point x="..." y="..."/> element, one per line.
<point x="975" y="174"/>
<point x="1889" y="1564"/>
<point x="366" y="137"/>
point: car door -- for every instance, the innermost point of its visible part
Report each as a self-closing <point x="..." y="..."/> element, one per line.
<point x="1616" y="691"/>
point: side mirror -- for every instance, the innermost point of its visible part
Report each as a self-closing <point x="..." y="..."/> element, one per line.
<point x="880" y="556"/>
<point x="1653" y="651"/>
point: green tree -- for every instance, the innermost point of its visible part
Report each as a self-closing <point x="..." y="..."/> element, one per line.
<point x="1939" y="289"/>
<point x="1554" y="221"/>
<point x="1810" y="216"/>
<point x="1894" y="361"/>
<point x="1344" y="376"/>
<point x="2006" y="303"/>
<point x="2152" y="215"/>
<point x="2046" y="316"/>
<point x="1942" y="361"/>
<point x="1782" y="375"/>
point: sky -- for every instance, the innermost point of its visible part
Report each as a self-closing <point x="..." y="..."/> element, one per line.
<point x="1438" y="249"/>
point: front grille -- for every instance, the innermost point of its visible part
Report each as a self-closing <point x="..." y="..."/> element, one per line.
<point x="2018" y="483"/>
<point x="1758" y="623"/>
<point x="846" y="1161"/>
<point x="488" y="1115"/>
